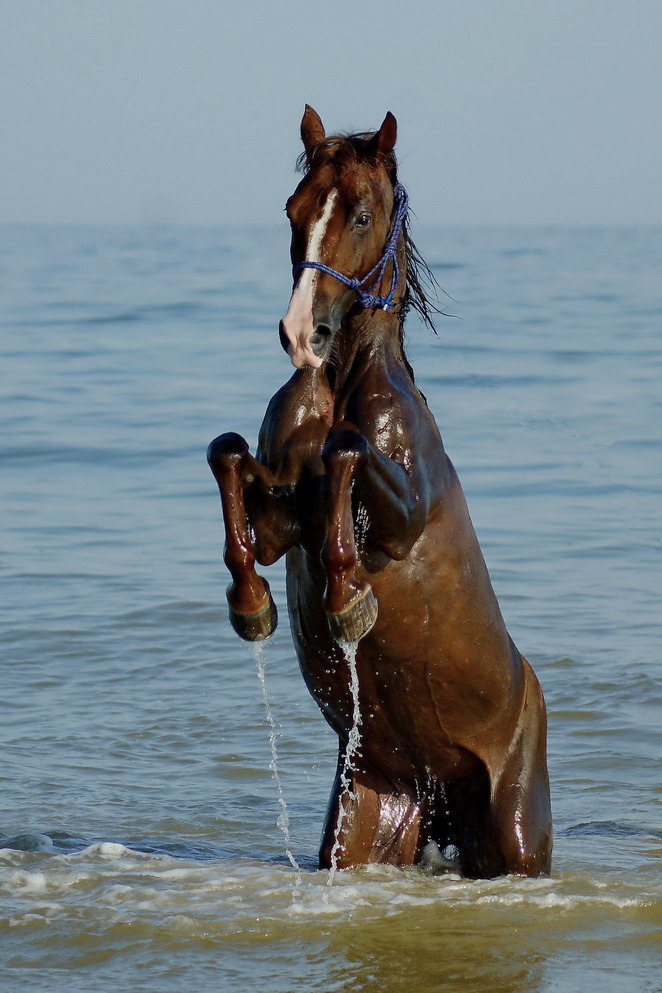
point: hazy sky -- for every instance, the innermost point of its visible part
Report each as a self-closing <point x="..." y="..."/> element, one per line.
<point x="188" y="110"/>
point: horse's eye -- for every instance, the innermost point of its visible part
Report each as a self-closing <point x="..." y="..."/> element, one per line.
<point x="363" y="220"/>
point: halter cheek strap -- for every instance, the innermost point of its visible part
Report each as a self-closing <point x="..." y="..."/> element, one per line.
<point x="366" y="298"/>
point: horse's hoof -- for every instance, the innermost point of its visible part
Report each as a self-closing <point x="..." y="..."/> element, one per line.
<point x="255" y="626"/>
<point x="356" y="620"/>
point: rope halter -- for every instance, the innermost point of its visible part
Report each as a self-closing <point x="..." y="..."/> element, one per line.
<point x="366" y="298"/>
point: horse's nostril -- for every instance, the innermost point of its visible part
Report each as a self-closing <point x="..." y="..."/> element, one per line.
<point x="283" y="337"/>
<point x="320" y="337"/>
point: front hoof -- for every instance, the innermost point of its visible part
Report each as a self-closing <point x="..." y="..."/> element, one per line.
<point x="256" y="626"/>
<point x="354" y="622"/>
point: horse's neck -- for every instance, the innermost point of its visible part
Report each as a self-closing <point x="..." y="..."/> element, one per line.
<point x="369" y="366"/>
<point x="368" y="339"/>
<point x="367" y="334"/>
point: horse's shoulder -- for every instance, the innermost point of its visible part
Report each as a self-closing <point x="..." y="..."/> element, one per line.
<point x="394" y="407"/>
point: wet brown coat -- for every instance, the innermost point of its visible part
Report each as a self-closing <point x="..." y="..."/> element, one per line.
<point x="352" y="482"/>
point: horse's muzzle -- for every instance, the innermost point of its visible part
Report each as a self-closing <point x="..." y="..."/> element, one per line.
<point x="319" y="343"/>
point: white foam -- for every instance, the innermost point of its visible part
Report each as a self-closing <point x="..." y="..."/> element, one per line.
<point x="109" y="849"/>
<point x="239" y="893"/>
<point x="29" y="882"/>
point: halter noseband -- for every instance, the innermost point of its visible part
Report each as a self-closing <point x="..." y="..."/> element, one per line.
<point x="365" y="297"/>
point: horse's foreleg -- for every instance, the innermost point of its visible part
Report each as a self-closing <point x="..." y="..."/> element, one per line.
<point x="396" y="510"/>
<point x="350" y="605"/>
<point x="253" y="613"/>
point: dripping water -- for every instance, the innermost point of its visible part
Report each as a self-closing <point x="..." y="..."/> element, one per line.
<point x="361" y="524"/>
<point x="353" y="744"/>
<point x="450" y="852"/>
<point x="440" y="854"/>
<point x="283" y="821"/>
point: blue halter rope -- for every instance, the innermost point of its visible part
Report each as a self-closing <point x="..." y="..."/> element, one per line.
<point x="366" y="298"/>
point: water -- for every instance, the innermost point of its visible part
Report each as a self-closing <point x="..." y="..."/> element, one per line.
<point x="353" y="747"/>
<point x="283" y="820"/>
<point x="139" y="811"/>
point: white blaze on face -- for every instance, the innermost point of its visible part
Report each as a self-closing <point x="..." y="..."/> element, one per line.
<point x="298" y="321"/>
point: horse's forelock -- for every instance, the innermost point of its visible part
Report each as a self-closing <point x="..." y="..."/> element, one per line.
<point x="343" y="151"/>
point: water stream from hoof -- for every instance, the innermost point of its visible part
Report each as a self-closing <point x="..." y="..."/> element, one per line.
<point x="353" y="744"/>
<point x="283" y="820"/>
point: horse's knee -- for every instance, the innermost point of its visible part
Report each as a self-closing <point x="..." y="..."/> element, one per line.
<point x="225" y="450"/>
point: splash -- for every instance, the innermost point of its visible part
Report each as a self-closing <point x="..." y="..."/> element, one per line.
<point x="353" y="744"/>
<point x="283" y="820"/>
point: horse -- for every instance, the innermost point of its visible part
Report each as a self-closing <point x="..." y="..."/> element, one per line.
<point x="352" y="483"/>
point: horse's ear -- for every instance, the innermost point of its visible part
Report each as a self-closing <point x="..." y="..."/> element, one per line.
<point x="312" y="129"/>
<point x="386" y="137"/>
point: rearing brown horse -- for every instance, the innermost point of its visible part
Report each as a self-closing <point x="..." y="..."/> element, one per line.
<point x="352" y="482"/>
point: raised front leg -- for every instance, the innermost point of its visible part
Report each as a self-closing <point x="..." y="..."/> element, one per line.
<point x="253" y="613"/>
<point x="350" y="605"/>
<point x="396" y="513"/>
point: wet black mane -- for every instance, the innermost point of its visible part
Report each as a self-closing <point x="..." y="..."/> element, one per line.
<point x="344" y="151"/>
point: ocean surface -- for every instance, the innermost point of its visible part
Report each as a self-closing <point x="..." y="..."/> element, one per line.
<point x="140" y="848"/>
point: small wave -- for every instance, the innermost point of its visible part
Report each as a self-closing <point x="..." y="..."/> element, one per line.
<point x="609" y="829"/>
<point x="27" y="843"/>
<point x="188" y="310"/>
<point x="385" y="892"/>
<point x="108" y="873"/>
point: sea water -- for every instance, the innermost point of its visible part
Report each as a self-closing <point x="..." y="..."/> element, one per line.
<point x="138" y="823"/>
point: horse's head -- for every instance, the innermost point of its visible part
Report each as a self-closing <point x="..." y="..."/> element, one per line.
<point x="341" y="214"/>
